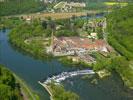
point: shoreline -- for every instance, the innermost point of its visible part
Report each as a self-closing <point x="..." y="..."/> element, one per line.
<point x="27" y="91"/>
<point x="65" y="60"/>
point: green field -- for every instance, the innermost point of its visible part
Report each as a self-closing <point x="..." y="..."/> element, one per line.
<point x="115" y="3"/>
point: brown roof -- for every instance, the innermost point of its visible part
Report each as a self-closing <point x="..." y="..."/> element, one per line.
<point x="80" y="42"/>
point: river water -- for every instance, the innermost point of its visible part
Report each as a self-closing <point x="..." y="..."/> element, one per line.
<point x="32" y="70"/>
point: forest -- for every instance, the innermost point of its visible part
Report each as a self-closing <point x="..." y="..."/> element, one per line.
<point x="120" y="29"/>
<point x="11" y="7"/>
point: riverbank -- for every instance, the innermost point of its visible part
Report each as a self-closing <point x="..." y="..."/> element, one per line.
<point x="18" y="87"/>
<point x="25" y="90"/>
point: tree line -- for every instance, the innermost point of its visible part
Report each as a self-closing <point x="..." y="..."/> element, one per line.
<point x="11" y="7"/>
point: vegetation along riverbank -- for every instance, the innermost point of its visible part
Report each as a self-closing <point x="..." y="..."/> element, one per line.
<point x="12" y="87"/>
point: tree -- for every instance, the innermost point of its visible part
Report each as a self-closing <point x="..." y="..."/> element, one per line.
<point x="44" y="24"/>
<point x="53" y="28"/>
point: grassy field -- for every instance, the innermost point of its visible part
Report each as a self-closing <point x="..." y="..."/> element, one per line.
<point x="53" y="15"/>
<point x="62" y="15"/>
<point x="115" y="3"/>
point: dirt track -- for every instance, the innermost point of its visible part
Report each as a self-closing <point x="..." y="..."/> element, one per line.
<point x="55" y="15"/>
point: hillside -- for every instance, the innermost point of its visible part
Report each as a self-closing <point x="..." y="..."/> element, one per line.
<point x="120" y="29"/>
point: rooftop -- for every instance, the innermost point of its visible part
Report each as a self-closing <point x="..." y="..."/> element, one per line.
<point x="78" y="42"/>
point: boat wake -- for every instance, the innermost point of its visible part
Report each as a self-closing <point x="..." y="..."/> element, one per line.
<point x="64" y="75"/>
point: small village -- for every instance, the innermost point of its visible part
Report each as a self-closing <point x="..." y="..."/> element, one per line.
<point x="79" y="48"/>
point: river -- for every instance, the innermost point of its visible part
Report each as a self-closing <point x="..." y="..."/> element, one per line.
<point x="32" y="70"/>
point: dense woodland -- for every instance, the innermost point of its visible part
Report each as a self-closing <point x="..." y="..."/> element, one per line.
<point x="9" y="89"/>
<point x="11" y="7"/>
<point x="120" y="28"/>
